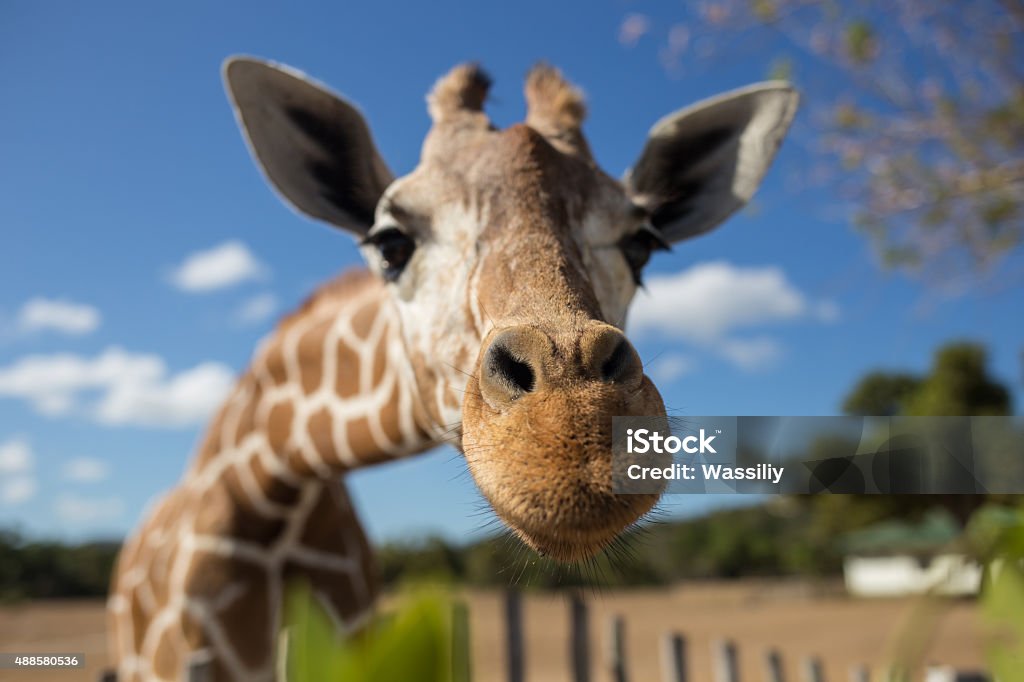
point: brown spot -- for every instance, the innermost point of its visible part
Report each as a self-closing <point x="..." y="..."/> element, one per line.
<point x="215" y="511"/>
<point x="360" y="438"/>
<point x="380" y="362"/>
<point x="333" y="505"/>
<point x="274" y="363"/>
<point x="165" y="658"/>
<point x="277" y="490"/>
<point x="140" y="620"/>
<point x="193" y="631"/>
<point x="319" y="427"/>
<point x="390" y="420"/>
<point x="279" y="426"/>
<point x="311" y="356"/>
<point x="346" y="381"/>
<point x="362" y="321"/>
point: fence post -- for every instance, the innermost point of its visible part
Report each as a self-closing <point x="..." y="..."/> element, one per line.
<point x="200" y="671"/>
<point x="461" y="671"/>
<point x="514" y="635"/>
<point x="813" y="671"/>
<point x="673" y="657"/>
<point x="859" y="673"/>
<point x="773" y="666"/>
<point x="617" y="649"/>
<point x="580" y="639"/>
<point x="726" y="661"/>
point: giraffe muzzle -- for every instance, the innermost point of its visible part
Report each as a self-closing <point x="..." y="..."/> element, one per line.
<point x="537" y="433"/>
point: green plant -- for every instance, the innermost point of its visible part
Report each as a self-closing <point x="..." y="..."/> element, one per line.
<point x="412" y="643"/>
<point x="996" y="535"/>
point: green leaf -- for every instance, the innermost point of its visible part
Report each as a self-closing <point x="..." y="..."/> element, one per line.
<point x="1002" y="606"/>
<point x="412" y="644"/>
<point x="861" y="43"/>
<point x="765" y="10"/>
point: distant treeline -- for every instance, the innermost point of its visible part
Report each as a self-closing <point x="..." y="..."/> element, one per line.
<point x="46" y="569"/>
<point x="792" y="536"/>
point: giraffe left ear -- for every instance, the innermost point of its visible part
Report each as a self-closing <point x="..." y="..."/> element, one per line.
<point x="312" y="145"/>
<point x="702" y="163"/>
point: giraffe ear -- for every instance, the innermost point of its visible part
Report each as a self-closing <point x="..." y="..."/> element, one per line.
<point x="702" y="163"/>
<point x="313" y="146"/>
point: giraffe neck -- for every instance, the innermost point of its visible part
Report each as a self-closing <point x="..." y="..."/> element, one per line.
<point x="330" y="391"/>
<point x="263" y="504"/>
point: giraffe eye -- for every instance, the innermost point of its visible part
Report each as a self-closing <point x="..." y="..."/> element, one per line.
<point x="395" y="248"/>
<point x="638" y="247"/>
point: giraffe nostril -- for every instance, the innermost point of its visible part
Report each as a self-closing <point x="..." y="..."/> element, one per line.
<point x="509" y="370"/>
<point x="617" y="363"/>
<point x="610" y="357"/>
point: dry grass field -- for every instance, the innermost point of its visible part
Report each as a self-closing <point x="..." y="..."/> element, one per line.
<point x="757" y="615"/>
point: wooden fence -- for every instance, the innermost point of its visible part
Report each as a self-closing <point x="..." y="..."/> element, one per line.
<point x="675" y="656"/>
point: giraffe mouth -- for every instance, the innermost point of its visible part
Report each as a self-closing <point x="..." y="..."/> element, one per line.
<point x="567" y="512"/>
<point x="578" y="544"/>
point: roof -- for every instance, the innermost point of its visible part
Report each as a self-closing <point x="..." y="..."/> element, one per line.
<point x="937" y="530"/>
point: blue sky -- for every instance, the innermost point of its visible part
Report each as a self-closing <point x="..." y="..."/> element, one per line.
<point x="143" y="255"/>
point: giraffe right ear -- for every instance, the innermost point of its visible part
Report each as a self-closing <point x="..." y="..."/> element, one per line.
<point x="313" y="146"/>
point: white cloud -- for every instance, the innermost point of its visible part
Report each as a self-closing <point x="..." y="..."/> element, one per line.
<point x="17" y="489"/>
<point x="86" y="470"/>
<point x="15" y="457"/>
<point x="256" y="309"/>
<point x="711" y="299"/>
<point x="751" y="354"/>
<point x="221" y="266"/>
<point x="669" y="367"/>
<point x="706" y="304"/>
<point x="66" y="317"/>
<point x="180" y="400"/>
<point x="85" y="510"/>
<point x="17" y="484"/>
<point x="633" y="28"/>
<point x="117" y="387"/>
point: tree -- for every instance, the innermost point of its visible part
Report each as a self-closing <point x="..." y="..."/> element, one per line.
<point x="958" y="385"/>
<point x="881" y="394"/>
<point x="916" y="110"/>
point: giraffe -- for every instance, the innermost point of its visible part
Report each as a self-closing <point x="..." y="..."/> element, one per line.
<point x="489" y="316"/>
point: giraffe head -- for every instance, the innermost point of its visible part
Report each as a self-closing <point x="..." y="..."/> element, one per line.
<point x="511" y="259"/>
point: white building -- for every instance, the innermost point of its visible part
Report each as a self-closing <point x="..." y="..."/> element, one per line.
<point x="896" y="558"/>
<point x="902" y="574"/>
